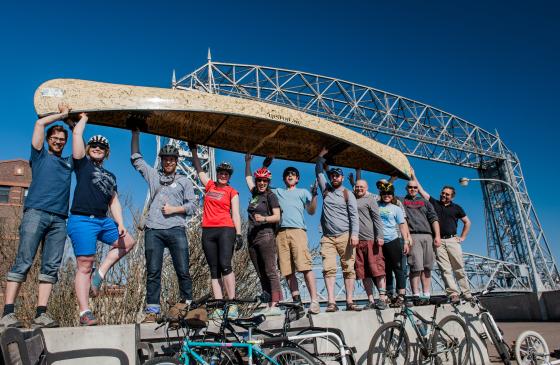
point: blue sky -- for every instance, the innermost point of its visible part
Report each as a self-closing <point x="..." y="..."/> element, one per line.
<point x="491" y="63"/>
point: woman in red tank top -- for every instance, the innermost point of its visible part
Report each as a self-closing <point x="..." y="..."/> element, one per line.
<point x="221" y="226"/>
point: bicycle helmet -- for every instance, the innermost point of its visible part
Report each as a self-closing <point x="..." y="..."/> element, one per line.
<point x="169" y="150"/>
<point x="98" y="138"/>
<point x="225" y="166"/>
<point x="263" y="173"/>
<point x="289" y="169"/>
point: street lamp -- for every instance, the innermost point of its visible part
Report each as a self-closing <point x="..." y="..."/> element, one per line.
<point x="537" y="285"/>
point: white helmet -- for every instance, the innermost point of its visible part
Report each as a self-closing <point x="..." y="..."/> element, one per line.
<point x="99" y="139"/>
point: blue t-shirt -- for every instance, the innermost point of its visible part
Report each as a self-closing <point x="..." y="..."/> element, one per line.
<point x="50" y="185"/>
<point x="293" y="203"/>
<point x="391" y="216"/>
<point x="95" y="187"/>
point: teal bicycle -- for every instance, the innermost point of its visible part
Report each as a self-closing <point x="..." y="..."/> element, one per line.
<point x="269" y="351"/>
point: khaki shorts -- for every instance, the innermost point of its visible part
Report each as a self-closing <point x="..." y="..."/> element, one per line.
<point x="293" y="253"/>
<point x="370" y="262"/>
<point x="338" y="246"/>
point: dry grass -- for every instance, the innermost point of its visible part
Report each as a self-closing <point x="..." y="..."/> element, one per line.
<point x="123" y="297"/>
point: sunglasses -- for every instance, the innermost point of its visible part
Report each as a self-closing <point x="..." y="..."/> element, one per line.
<point x="98" y="145"/>
<point x="261" y="180"/>
<point x="412" y="187"/>
<point x="386" y="194"/>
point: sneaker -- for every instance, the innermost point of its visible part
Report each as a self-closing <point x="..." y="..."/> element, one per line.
<point x="217" y="314"/>
<point x="233" y="312"/>
<point x="331" y="307"/>
<point x="369" y="305"/>
<point x="314" y="307"/>
<point x="88" y="319"/>
<point x="379" y="304"/>
<point x="10" y="321"/>
<point x="150" y="318"/>
<point x="96" y="281"/>
<point x="44" y="321"/>
<point x="274" y="311"/>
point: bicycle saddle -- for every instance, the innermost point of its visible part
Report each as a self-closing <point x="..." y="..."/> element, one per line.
<point x="252" y="322"/>
<point x="437" y="301"/>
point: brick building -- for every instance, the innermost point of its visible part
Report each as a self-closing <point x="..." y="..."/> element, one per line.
<point x="15" y="178"/>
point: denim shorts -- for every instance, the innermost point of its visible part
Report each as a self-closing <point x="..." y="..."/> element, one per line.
<point x="85" y="231"/>
<point x="38" y="226"/>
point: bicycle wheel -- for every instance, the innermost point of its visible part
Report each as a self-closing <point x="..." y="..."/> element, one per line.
<point x="323" y="348"/>
<point x="290" y="356"/>
<point x="389" y="345"/>
<point x="163" y="360"/>
<point x="218" y="355"/>
<point x="531" y="348"/>
<point x="451" y="342"/>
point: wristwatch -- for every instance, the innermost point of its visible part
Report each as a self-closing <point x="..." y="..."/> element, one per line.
<point x="407" y="242"/>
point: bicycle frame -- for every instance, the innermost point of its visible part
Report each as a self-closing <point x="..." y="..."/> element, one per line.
<point x="338" y="340"/>
<point x="187" y="350"/>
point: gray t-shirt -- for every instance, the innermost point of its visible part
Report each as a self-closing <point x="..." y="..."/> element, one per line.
<point x="179" y="192"/>
<point x="338" y="216"/>
<point x="371" y="226"/>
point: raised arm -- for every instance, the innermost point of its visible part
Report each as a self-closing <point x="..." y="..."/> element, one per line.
<point x="311" y="207"/>
<point x="116" y="212"/>
<point x="235" y="214"/>
<point x="248" y="176"/>
<point x="78" y="145"/>
<point x="353" y="180"/>
<point x="39" y="131"/>
<point x="421" y="190"/>
<point x="319" y="170"/>
<point x="196" y="162"/>
<point x="135" y="142"/>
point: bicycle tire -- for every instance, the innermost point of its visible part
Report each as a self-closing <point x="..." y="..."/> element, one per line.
<point x="290" y="356"/>
<point x="163" y="360"/>
<point x="323" y="348"/>
<point x="497" y="339"/>
<point x="531" y="348"/>
<point x="456" y="345"/>
<point x="383" y="349"/>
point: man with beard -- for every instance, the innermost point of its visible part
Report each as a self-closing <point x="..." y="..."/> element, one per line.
<point x="340" y="225"/>
<point x="449" y="255"/>
<point x="171" y="200"/>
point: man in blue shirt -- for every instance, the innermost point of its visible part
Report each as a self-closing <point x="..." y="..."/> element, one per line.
<point x="44" y="219"/>
<point x="291" y="238"/>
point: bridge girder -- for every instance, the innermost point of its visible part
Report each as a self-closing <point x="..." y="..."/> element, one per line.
<point x="418" y="130"/>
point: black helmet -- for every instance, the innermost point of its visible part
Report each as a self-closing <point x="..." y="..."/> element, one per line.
<point x="225" y="166"/>
<point x="169" y="150"/>
<point x="289" y="169"/>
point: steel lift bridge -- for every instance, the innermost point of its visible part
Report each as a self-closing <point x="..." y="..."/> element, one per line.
<point x="518" y="259"/>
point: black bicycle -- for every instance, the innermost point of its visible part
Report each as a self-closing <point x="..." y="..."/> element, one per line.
<point x="446" y="341"/>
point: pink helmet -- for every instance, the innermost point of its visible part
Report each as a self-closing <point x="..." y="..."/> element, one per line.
<point x="263" y="173"/>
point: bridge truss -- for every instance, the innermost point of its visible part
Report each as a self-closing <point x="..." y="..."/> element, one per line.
<point x="516" y="261"/>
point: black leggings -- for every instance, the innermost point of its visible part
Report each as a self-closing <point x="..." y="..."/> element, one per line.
<point x="393" y="252"/>
<point x="217" y="243"/>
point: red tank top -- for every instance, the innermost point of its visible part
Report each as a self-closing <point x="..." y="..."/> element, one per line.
<point x="217" y="205"/>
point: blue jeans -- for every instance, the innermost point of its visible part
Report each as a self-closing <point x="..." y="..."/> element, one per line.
<point x="38" y="226"/>
<point x="156" y="240"/>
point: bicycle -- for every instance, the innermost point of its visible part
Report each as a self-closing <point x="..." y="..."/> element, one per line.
<point x="531" y="349"/>
<point x="441" y="342"/>
<point x="491" y="329"/>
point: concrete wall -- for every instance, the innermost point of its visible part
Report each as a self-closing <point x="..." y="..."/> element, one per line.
<point x="524" y="307"/>
<point x="552" y="304"/>
<point x="122" y="337"/>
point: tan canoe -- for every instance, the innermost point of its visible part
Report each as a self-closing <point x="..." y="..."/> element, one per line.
<point x="220" y="121"/>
